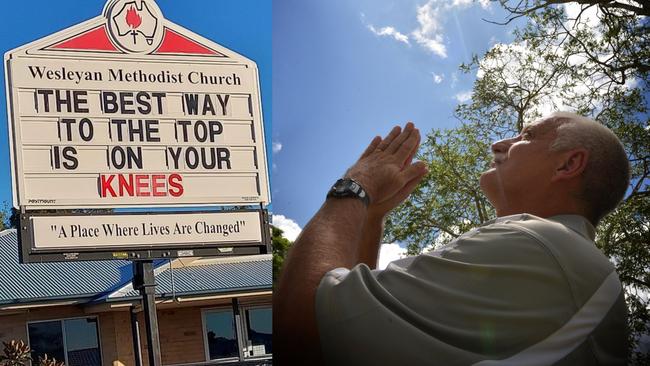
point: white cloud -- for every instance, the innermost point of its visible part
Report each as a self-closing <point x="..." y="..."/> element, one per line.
<point x="430" y="17"/>
<point x="464" y="96"/>
<point x="461" y="3"/>
<point x="276" y="147"/>
<point x="437" y="78"/>
<point x="390" y="32"/>
<point x="429" y="34"/>
<point x="389" y="253"/>
<point x="290" y="228"/>
<point x="454" y="80"/>
<point x="589" y="17"/>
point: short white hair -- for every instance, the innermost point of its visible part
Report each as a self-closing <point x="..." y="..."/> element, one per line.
<point x="607" y="174"/>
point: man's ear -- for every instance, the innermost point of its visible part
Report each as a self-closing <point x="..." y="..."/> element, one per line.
<point x="572" y="164"/>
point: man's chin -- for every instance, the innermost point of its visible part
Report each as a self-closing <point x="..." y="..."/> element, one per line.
<point x="488" y="183"/>
<point x="487" y="175"/>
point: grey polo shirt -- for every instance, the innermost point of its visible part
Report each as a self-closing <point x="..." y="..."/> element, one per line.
<point x="520" y="290"/>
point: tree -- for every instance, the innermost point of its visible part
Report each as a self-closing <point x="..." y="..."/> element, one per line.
<point x="448" y="202"/>
<point x="617" y="30"/>
<point x="596" y="65"/>
<point x="280" y="248"/>
<point x="6" y="216"/>
<point x="10" y="217"/>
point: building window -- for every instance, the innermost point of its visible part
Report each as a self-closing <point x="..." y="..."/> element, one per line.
<point x="238" y="332"/>
<point x="221" y="334"/>
<point x="258" y="331"/>
<point x="75" y="341"/>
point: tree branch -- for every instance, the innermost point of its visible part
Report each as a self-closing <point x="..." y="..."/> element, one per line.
<point x="437" y="225"/>
<point x="634" y="9"/>
<point x="630" y="279"/>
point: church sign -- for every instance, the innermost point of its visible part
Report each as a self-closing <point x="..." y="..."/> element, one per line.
<point x="129" y="110"/>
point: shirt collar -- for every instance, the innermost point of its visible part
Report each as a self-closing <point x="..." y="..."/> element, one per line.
<point x="576" y="223"/>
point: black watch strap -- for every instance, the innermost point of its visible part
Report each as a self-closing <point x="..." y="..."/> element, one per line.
<point x="348" y="187"/>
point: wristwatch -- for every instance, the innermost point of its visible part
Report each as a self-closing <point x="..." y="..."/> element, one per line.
<point x="347" y="187"/>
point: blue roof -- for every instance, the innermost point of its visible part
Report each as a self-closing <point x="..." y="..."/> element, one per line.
<point x="223" y="277"/>
<point x="59" y="280"/>
<point x="209" y="279"/>
<point x="21" y="283"/>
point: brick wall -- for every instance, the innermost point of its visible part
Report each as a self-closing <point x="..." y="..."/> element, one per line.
<point x="180" y="325"/>
<point x="14" y="326"/>
<point x="181" y="335"/>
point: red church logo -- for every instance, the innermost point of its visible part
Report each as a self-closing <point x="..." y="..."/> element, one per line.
<point x="135" y="26"/>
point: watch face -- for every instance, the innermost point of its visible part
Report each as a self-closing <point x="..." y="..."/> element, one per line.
<point x="348" y="188"/>
<point x="341" y="188"/>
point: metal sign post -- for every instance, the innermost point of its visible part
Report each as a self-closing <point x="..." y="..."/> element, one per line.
<point x="135" y="333"/>
<point x="145" y="282"/>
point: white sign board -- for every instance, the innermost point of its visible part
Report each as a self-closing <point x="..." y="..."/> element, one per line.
<point x="69" y="233"/>
<point x="131" y="110"/>
<point x="51" y="237"/>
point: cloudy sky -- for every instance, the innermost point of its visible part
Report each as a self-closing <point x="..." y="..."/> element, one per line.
<point x="345" y="71"/>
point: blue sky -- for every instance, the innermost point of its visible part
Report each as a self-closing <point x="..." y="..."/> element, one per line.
<point x="345" y="71"/>
<point x="243" y="26"/>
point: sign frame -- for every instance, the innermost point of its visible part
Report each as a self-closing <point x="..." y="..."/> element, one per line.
<point x="112" y="44"/>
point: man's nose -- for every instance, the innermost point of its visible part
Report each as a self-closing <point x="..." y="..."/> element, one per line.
<point x="501" y="146"/>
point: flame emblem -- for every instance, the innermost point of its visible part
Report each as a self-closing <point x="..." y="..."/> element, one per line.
<point x="132" y="18"/>
<point x="135" y="25"/>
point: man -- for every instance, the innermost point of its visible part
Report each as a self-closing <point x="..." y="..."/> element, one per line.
<point x="528" y="288"/>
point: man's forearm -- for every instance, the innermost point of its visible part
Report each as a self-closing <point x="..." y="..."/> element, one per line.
<point x="330" y="240"/>
<point x="333" y="237"/>
<point x="371" y="236"/>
